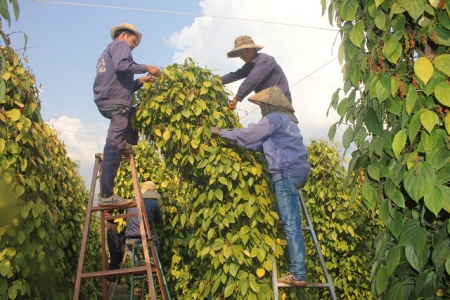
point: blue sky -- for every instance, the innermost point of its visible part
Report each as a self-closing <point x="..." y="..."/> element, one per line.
<point x="65" y="39"/>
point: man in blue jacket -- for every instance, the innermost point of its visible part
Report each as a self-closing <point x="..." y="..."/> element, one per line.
<point x="278" y="137"/>
<point x="133" y="232"/>
<point x="113" y="94"/>
<point x="260" y="71"/>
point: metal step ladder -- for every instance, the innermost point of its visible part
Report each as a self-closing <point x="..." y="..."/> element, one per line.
<point x="146" y="236"/>
<point x="328" y="285"/>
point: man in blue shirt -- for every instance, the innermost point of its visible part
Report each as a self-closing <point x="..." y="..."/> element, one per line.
<point x="278" y="137"/>
<point x="113" y="94"/>
<point x="133" y="232"/>
<point x="260" y="71"/>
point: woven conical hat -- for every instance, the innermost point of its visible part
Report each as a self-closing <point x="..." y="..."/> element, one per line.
<point x="274" y="96"/>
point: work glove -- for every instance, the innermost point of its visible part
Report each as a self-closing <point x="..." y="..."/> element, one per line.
<point x="214" y="130"/>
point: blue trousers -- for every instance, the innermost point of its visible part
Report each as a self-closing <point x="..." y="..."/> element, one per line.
<point x="120" y="132"/>
<point x="288" y="204"/>
<point x="116" y="244"/>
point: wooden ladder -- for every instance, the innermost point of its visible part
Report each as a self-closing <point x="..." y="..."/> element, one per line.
<point x="328" y="284"/>
<point x="146" y="236"/>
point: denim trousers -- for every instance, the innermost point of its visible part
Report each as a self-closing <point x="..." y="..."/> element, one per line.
<point x="116" y="243"/>
<point x="120" y="132"/>
<point x="288" y="206"/>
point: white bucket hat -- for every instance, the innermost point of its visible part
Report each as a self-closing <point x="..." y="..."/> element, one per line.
<point x="149" y="190"/>
<point x="127" y="26"/>
<point x="243" y="42"/>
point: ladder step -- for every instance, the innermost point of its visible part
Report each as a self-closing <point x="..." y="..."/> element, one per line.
<point x="102" y="208"/>
<point x="308" y="285"/>
<point x="118" y="272"/>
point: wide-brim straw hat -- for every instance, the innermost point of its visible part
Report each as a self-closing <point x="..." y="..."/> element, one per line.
<point x="274" y="96"/>
<point x="149" y="190"/>
<point x="129" y="27"/>
<point x="243" y="42"/>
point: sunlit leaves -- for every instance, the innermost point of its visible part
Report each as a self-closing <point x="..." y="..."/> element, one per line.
<point x="46" y="207"/>
<point x="399" y="143"/>
<point x="424" y="69"/>
<point x="428" y="120"/>
<point x="414" y="7"/>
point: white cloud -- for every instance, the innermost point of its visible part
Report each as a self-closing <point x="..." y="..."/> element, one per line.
<point x="82" y="141"/>
<point x="300" y="51"/>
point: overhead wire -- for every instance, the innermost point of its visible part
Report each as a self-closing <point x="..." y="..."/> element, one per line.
<point x="297" y="82"/>
<point x="197" y="15"/>
<point x="182" y="13"/>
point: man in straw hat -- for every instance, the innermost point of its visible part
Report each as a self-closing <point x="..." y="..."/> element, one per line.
<point x="260" y="71"/>
<point x="132" y="232"/>
<point x="278" y="137"/>
<point x="114" y="86"/>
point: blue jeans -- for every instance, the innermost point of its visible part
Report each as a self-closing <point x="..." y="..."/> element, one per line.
<point x="119" y="133"/>
<point x="288" y="204"/>
<point x="116" y="244"/>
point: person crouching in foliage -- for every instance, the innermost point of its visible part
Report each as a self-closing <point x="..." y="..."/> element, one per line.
<point x="278" y="136"/>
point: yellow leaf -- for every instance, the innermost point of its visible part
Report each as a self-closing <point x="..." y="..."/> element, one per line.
<point x="260" y="272"/>
<point x="6" y="76"/>
<point x="166" y="135"/>
<point x="423" y="69"/>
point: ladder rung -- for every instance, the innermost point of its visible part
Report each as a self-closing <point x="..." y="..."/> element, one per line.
<point x="306" y="228"/>
<point x="121" y="216"/>
<point x="308" y="285"/>
<point x="102" y="208"/>
<point x="117" y="272"/>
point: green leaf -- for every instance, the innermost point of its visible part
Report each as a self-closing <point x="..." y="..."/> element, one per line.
<point x="417" y="260"/>
<point x="442" y="93"/>
<point x="381" y="281"/>
<point x="434" y="200"/>
<point x="219" y="194"/>
<point x="392" y="49"/>
<point x="438" y="156"/>
<point x="395" y="83"/>
<point x="442" y="35"/>
<point x="5" y="267"/>
<point x="419" y="180"/>
<point x="411" y="99"/>
<point x="370" y="195"/>
<point x="374" y="172"/>
<point x="380" y="20"/>
<point x="399" y="143"/>
<point x="447" y="123"/>
<point x="348" y="137"/>
<point x="392" y="260"/>
<point x="424" y="69"/>
<point x="415" y="8"/>
<point x="419" y="237"/>
<point x="383" y="88"/>
<point x="356" y="33"/>
<point x="229" y="290"/>
<point x="407" y="233"/>
<point x="428" y="119"/>
<point x="414" y="126"/>
<point x="442" y="63"/>
<point x="347" y="10"/>
<point x="396" y="224"/>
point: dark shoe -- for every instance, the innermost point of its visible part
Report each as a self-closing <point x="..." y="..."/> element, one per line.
<point x="114" y="201"/>
<point x="290" y="279"/>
